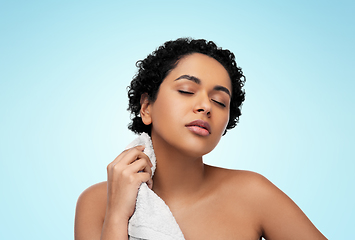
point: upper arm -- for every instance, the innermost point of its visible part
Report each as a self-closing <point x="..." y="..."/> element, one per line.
<point x="90" y="212"/>
<point x="280" y="217"/>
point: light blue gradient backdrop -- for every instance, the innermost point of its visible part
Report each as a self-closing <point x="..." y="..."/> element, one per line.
<point x="64" y="67"/>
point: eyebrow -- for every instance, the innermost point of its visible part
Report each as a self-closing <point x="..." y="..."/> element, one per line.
<point x="198" y="81"/>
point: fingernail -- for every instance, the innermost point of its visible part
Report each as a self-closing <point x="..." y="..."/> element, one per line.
<point x="141" y="147"/>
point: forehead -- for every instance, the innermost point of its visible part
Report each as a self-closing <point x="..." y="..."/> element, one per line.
<point x="203" y="67"/>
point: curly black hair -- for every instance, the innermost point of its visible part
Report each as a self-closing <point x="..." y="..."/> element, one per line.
<point x="156" y="66"/>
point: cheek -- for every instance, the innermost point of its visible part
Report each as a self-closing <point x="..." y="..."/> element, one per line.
<point x="170" y="103"/>
<point x="224" y="119"/>
<point x="165" y="110"/>
<point x="227" y="119"/>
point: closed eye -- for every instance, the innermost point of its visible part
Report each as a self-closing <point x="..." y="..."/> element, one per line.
<point x="219" y="103"/>
<point x="185" y="92"/>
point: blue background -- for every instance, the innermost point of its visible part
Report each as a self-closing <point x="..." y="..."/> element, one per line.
<point x="65" y="65"/>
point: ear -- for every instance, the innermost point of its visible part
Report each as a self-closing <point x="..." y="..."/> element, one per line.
<point x="145" y="109"/>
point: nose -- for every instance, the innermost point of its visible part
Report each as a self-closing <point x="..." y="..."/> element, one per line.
<point x="203" y="105"/>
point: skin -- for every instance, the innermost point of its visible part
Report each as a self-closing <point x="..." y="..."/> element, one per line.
<point x="207" y="202"/>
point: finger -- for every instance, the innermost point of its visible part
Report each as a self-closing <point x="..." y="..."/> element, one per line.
<point x="140" y="165"/>
<point x="139" y="148"/>
<point x="124" y="164"/>
<point x="145" y="177"/>
<point x="150" y="183"/>
<point x="132" y="155"/>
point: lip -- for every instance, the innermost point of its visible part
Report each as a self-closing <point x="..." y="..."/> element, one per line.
<point x="199" y="124"/>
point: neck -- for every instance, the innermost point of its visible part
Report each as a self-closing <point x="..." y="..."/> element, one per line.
<point x="177" y="175"/>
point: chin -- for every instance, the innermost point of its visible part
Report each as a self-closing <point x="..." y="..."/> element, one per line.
<point x="197" y="149"/>
<point x="187" y="144"/>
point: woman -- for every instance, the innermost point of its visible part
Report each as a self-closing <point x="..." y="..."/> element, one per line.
<point x="186" y="95"/>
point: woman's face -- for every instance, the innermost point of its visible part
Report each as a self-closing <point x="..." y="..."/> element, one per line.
<point x="191" y="110"/>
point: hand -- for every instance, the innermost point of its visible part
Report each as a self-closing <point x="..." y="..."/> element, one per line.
<point x="124" y="177"/>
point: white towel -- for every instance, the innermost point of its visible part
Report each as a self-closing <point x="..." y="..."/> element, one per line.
<point x="152" y="218"/>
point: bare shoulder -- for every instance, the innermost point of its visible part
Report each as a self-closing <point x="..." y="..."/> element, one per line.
<point x="95" y="191"/>
<point x="253" y="190"/>
<point x="94" y="195"/>
<point x="260" y="192"/>
<point x="273" y="212"/>
<point x="242" y="190"/>
<point x="90" y="210"/>
<point x="251" y="183"/>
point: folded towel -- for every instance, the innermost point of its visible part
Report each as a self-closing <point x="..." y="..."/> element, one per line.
<point x="152" y="218"/>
